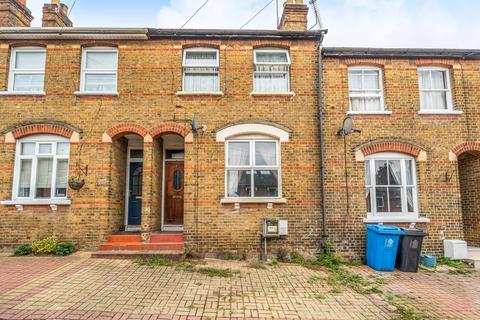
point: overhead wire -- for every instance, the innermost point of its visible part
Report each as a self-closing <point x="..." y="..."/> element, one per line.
<point x="256" y="14"/>
<point x="194" y="14"/>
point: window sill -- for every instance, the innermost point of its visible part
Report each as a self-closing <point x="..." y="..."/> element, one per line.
<point x="21" y="93"/>
<point x="199" y="93"/>
<point x="266" y="94"/>
<point x="253" y="200"/>
<point x="385" y="112"/>
<point x="87" y="93"/>
<point x="440" y="112"/>
<point x="36" y="202"/>
<point x="396" y="220"/>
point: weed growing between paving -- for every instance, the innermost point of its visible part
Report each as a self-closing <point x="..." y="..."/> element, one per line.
<point x="406" y="313"/>
<point x="184" y="266"/>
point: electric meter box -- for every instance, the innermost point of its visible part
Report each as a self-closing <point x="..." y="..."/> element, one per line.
<point x="274" y="227"/>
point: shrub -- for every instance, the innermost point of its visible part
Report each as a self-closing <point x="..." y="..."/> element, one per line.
<point x="65" y="248"/>
<point x="24" y="250"/>
<point x="297" y="258"/>
<point x="45" y="246"/>
<point x="282" y="254"/>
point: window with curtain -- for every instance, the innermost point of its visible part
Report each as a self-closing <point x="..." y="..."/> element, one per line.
<point x="201" y="70"/>
<point x="272" y="71"/>
<point x="252" y="169"/>
<point x="435" y="91"/>
<point x="391" y="186"/>
<point x="365" y="89"/>
<point x="41" y="167"/>
<point x="27" y="70"/>
<point x="99" y="70"/>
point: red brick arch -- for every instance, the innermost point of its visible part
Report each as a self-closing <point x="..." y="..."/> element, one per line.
<point x="125" y="128"/>
<point x="467" y="147"/>
<point x="390" y="146"/>
<point x="42" y="128"/>
<point x="169" y="127"/>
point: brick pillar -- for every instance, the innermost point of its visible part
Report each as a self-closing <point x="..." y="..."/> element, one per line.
<point x="55" y="14"/>
<point x="152" y="186"/>
<point x="14" y="13"/>
<point x="294" y="17"/>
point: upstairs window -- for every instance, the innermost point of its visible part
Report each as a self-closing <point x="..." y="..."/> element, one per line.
<point x="391" y="185"/>
<point x="99" y="70"/>
<point x="27" y="70"/>
<point x="201" y="70"/>
<point x="435" y="91"/>
<point x="272" y="71"/>
<point x="41" y="167"/>
<point x="252" y="169"/>
<point x="365" y="89"/>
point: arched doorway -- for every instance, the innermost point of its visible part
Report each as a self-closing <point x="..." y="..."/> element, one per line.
<point x="469" y="175"/>
<point x="173" y="182"/>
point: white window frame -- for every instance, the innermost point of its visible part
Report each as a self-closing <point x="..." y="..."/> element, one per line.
<point x="252" y="167"/>
<point x="448" y="90"/>
<point x="393" y="215"/>
<point x="184" y="66"/>
<point x="85" y="71"/>
<point x="13" y="71"/>
<point x="38" y="139"/>
<point x="380" y="95"/>
<point x="288" y="64"/>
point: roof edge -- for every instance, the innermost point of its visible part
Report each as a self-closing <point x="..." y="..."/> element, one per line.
<point x="426" y="53"/>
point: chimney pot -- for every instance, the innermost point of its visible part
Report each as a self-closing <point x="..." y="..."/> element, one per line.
<point x="14" y="13"/>
<point x="55" y="14"/>
<point x="294" y="17"/>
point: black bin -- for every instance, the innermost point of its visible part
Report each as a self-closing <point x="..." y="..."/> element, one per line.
<point x="409" y="250"/>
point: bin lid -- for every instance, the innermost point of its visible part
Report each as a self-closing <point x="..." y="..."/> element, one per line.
<point x="414" y="232"/>
<point x="381" y="229"/>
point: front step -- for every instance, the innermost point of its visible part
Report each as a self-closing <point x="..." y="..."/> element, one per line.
<point x="134" y="254"/>
<point x="170" y="242"/>
<point x="137" y="246"/>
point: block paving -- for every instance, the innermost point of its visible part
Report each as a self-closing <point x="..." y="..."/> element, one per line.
<point x="82" y="288"/>
<point x="78" y="287"/>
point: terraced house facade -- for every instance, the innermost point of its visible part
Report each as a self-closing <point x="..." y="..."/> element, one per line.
<point x="170" y="139"/>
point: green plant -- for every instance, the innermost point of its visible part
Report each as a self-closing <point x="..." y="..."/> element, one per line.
<point x="273" y="262"/>
<point x="45" y="246"/>
<point x="24" y="250"/>
<point x="282" y="254"/>
<point x="189" y="253"/>
<point x="215" y="272"/>
<point x="461" y="272"/>
<point x="297" y="258"/>
<point x="319" y="296"/>
<point x="226" y="255"/>
<point x="65" y="248"/>
<point x="406" y="313"/>
<point x="257" y="265"/>
<point x="451" y="263"/>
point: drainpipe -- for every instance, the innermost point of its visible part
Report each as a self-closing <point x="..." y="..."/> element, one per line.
<point x="324" y="245"/>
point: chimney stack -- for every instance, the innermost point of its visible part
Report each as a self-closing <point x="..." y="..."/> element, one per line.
<point x="55" y="14"/>
<point x="294" y="17"/>
<point x="14" y="13"/>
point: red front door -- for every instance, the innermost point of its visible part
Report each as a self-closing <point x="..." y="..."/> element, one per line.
<point x="174" y="183"/>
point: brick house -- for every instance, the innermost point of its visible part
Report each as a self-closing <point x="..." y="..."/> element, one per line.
<point x="417" y="157"/>
<point x="114" y="107"/>
<point x="189" y="138"/>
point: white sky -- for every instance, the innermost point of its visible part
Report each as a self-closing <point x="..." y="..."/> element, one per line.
<point x="366" y="23"/>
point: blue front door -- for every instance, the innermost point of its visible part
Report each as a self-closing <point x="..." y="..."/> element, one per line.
<point x="135" y="194"/>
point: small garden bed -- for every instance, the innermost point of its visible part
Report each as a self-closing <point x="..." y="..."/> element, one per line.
<point x="46" y="246"/>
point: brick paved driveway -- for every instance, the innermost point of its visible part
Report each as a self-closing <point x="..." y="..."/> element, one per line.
<point x="81" y="288"/>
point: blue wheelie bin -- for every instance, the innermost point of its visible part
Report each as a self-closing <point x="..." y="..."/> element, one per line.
<point x="382" y="246"/>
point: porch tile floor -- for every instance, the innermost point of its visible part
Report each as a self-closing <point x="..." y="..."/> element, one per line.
<point x="78" y="287"/>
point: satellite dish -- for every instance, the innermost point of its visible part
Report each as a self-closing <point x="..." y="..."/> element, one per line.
<point x="347" y="127"/>
<point x="195" y="126"/>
